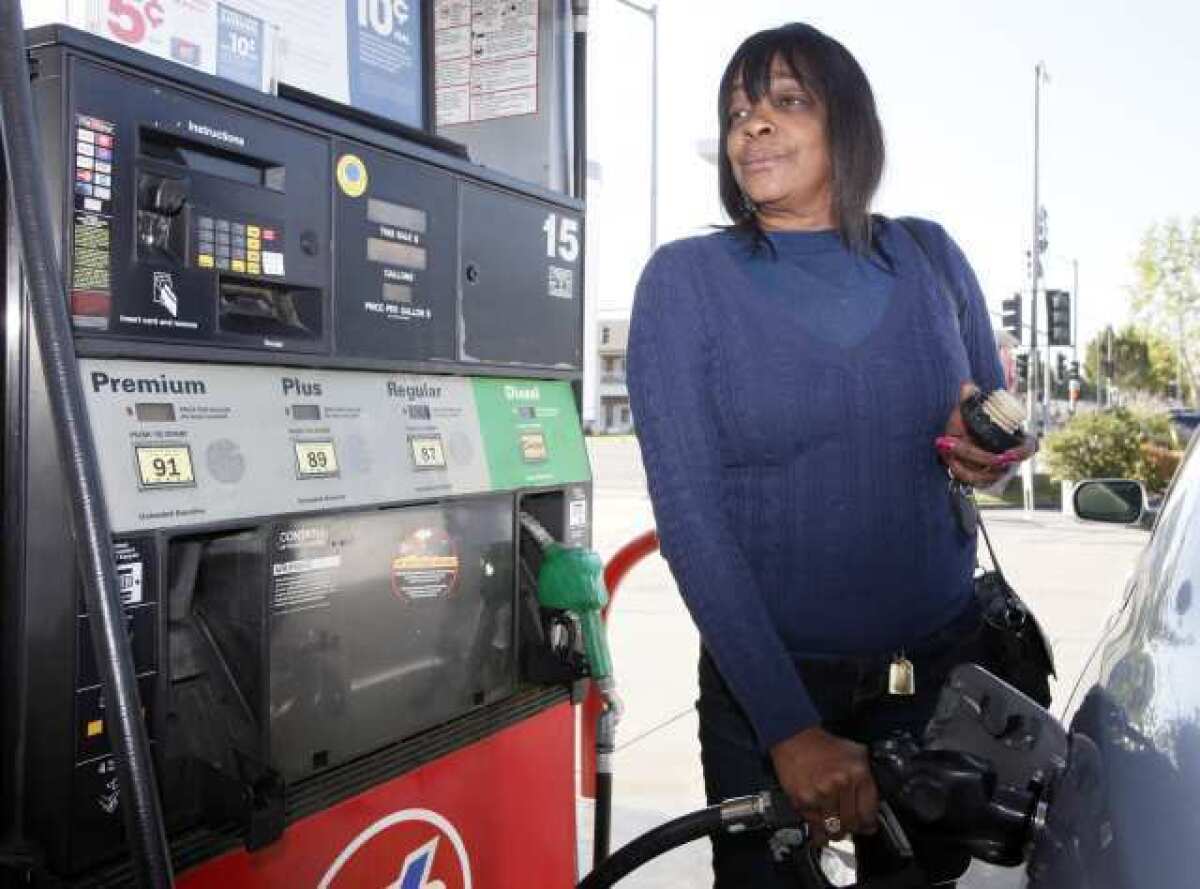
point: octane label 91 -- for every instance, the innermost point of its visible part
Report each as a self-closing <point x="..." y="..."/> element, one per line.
<point x="160" y="467"/>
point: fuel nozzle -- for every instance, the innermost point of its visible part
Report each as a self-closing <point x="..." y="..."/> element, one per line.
<point x="571" y="579"/>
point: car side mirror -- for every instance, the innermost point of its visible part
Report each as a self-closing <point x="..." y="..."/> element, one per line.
<point x="1116" y="501"/>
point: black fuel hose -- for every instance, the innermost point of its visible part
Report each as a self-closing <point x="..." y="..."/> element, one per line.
<point x="768" y="810"/>
<point x="47" y="300"/>
<point x="665" y="837"/>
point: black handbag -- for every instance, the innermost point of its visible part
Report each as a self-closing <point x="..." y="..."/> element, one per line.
<point x="1013" y="641"/>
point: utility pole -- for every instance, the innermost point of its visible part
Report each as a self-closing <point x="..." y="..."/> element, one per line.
<point x="1075" y="312"/>
<point x="1179" y="359"/>
<point x="651" y="12"/>
<point x="1035" y="270"/>
<point x="1112" y="371"/>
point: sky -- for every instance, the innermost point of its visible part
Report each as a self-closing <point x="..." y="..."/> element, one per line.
<point x="954" y="82"/>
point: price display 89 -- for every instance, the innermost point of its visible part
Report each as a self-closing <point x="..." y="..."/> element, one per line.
<point x="316" y="459"/>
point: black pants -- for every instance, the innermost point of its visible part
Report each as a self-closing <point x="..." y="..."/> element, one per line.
<point x="852" y="697"/>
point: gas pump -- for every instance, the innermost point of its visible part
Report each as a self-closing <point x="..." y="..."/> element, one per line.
<point x="328" y="364"/>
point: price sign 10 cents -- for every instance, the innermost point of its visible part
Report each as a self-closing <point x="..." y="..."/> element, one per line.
<point x="382" y="16"/>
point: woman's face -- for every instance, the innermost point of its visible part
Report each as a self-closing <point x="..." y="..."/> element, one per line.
<point x="779" y="153"/>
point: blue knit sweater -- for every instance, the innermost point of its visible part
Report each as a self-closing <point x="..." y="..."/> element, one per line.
<point x="787" y="406"/>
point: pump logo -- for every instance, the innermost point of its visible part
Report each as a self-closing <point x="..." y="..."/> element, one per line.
<point x="164" y="293"/>
<point x="411" y="849"/>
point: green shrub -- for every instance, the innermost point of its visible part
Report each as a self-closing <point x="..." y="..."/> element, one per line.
<point x="1111" y="444"/>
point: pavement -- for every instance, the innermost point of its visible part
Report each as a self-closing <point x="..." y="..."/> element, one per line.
<point x="1070" y="573"/>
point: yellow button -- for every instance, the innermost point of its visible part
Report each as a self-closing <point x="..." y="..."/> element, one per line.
<point x="95" y="727"/>
<point x="253" y="243"/>
<point x="205" y="260"/>
<point x="254" y="268"/>
<point x="253" y="231"/>
<point x="238" y="265"/>
<point x="253" y="256"/>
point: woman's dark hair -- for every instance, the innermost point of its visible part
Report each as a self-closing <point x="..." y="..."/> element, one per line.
<point x="834" y="78"/>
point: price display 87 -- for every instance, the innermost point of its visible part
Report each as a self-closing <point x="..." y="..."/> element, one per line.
<point x="164" y="467"/>
<point x="315" y="459"/>
<point x="427" y="451"/>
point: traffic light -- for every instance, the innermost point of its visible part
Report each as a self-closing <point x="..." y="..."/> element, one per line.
<point x="1075" y="370"/>
<point x="1010" y="316"/>
<point x="1023" y="370"/>
<point x="1060" y="368"/>
<point x="1058" y="318"/>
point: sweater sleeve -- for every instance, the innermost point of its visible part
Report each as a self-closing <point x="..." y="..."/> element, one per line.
<point x="976" y="327"/>
<point x="672" y="391"/>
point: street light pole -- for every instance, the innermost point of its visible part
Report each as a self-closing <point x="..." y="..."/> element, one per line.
<point x="1075" y="313"/>
<point x="1035" y="269"/>
<point x="652" y="13"/>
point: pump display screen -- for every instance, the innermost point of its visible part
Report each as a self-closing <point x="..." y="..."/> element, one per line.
<point x="154" y="412"/>
<point x="387" y="213"/>
<point x="395" y="253"/>
<point x="306" y="412"/>
<point x="427" y="452"/>
<point x="316" y="458"/>
<point x="533" y="447"/>
<point x="160" y="467"/>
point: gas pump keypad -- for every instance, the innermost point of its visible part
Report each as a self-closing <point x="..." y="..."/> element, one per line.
<point x="242" y="247"/>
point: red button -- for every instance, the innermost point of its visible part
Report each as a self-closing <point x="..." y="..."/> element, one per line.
<point x="268" y="234"/>
<point x="105" y="141"/>
<point x="83" y="175"/>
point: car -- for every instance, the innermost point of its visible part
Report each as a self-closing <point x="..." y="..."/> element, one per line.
<point x="1183" y="423"/>
<point x="1138" y="702"/>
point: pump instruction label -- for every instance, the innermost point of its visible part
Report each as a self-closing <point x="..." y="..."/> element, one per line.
<point x="486" y="59"/>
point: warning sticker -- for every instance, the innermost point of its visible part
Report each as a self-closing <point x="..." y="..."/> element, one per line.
<point x="91" y="242"/>
<point x="426" y="566"/>
<point x="303" y="583"/>
<point x="486" y="59"/>
<point x="92" y="254"/>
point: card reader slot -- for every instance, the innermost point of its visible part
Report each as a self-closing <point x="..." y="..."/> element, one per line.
<point x="202" y="158"/>
<point x="268" y="309"/>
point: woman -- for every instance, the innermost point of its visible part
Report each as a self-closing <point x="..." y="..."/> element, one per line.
<point x="795" y="380"/>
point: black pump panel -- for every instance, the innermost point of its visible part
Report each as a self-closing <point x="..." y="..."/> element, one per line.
<point x="397" y="247"/>
<point x="194" y="222"/>
<point x="521" y="280"/>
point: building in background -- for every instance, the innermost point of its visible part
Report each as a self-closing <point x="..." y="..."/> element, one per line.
<point x="612" y="395"/>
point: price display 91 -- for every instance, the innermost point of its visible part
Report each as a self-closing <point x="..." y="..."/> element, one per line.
<point x="165" y="466"/>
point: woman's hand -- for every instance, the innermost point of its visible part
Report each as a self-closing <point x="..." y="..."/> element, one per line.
<point x="827" y="778"/>
<point x="970" y="463"/>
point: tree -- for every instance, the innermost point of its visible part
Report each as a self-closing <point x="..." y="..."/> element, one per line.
<point x="1112" y="444"/>
<point x="1167" y="293"/>
<point x="1143" y="361"/>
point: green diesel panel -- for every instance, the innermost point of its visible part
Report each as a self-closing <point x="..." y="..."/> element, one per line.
<point x="531" y="433"/>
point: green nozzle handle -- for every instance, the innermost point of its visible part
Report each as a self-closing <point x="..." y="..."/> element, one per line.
<point x="572" y="579"/>
<point x="595" y="640"/>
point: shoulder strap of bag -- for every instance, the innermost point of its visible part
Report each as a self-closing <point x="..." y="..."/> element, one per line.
<point x="912" y="226"/>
